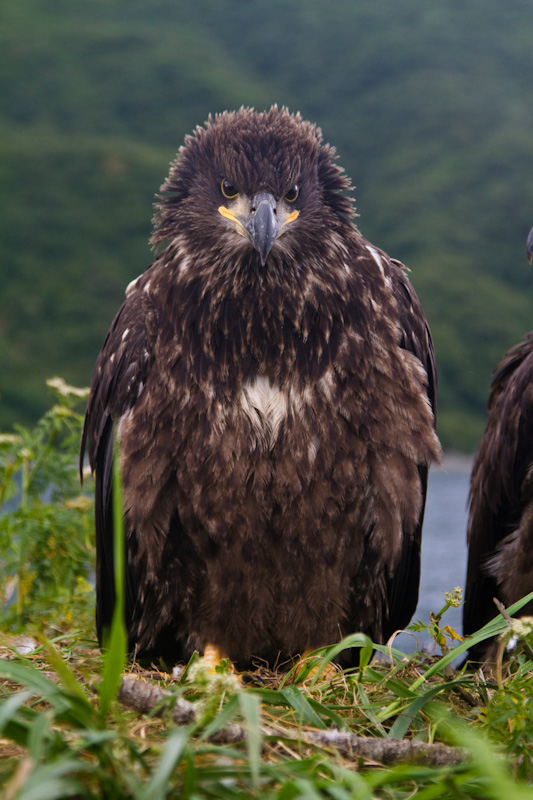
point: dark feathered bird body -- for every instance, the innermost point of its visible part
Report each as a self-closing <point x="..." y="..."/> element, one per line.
<point x="500" y="525"/>
<point x="273" y="406"/>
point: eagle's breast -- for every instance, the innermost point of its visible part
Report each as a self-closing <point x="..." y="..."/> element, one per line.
<point x="266" y="406"/>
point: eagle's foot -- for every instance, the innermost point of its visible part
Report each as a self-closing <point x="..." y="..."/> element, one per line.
<point x="213" y="681"/>
<point x="212" y="661"/>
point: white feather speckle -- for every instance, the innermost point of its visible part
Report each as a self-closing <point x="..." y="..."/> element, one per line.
<point x="314" y="444"/>
<point x="132" y="285"/>
<point x="123" y="421"/>
<point x="265" y="404"/>
<point x="379" y="261"/>
<point x="377" y="258"/>
<point x="185" y="264"/>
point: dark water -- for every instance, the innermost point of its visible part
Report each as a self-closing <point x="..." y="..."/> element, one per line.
<point x="443" y="542"/>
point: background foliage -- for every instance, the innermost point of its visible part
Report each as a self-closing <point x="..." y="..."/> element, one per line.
<point x="429" y="105"/>
<point x="46" y="522"/>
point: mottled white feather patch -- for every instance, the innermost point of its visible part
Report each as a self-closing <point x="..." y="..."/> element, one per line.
<point x="377" y="258"/>
<point x="265" y="404"/>
<point x="132" y="285"/>
<point x="327" y="384"/>
<point x="314" y="444"/>
<point x="185" y="264"/>
<point x="379" y="261"/>
<point x="123" y="423"/>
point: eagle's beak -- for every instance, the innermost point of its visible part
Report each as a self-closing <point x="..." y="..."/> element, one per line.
<point x="262" y="221"/>
<point x="262" y="224"/>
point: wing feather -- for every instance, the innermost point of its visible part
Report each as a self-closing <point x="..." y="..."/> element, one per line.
<point x="402" y="585"/>
<point x="120" y="374"/>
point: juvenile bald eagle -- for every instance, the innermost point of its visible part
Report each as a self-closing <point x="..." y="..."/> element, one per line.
<point x="500" y="524"/>
<point x="270" y="379"/>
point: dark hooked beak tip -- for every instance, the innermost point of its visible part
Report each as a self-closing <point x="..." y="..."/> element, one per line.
<point x="262" y="224"/>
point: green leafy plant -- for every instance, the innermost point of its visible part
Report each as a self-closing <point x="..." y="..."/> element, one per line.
<point x="508" y="714"/>
<point x="46" y="522"/>
<point x="440" y="634"/>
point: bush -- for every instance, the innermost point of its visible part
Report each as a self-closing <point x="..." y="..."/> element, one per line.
<point x="46" y="522"/>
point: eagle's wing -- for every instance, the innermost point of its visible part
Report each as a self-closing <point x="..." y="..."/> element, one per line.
<point x="402" y="585"/>
<point x="416" y="336"/>
<point x="499" y="491"/>
<point x="120" y="374"/>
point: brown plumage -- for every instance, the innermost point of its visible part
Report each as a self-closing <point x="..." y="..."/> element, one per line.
<point x="271" y="381"/>
<point x="500" y="524"/>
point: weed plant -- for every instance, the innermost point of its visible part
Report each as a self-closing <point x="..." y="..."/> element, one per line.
<point x="46" y="522"/>
<point x="65" y="734"/>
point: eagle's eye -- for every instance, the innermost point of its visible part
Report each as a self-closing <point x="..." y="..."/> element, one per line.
<point x="292" y="194"/>
<point x="228" y="189"/>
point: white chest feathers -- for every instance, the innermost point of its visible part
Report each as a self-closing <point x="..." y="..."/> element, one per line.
<point x="266" y="405"/>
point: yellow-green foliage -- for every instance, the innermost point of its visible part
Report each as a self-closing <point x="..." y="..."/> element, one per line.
<point x="46" y="521"/>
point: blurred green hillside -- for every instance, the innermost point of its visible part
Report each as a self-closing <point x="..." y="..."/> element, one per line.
<point x="429" y="105"/>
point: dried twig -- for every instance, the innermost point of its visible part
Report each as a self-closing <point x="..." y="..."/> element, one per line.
<point x="145" y="698"/>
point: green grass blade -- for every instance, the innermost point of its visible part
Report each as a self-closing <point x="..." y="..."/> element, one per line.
<point x="157" y="786"/>
<point x="18" y="727"/>
<point x="115" y="654"/>
<point x="272" y="697"/>
<point x="114" y="663"/>
<point x="367" y="709"/>
<point x="324" y="711"/>
<point x="39" y="737"/>
<point x="328" y="654"/>
<point x="223" y="718"/>
<point x="403" y="721"/>
<point x="251" y="711"/>
<point x="66" y="706"/>
<point x="26" y="674"/>
<point x="490" y="768"/>
<point x="80" y="702"/>
<point x="54" y="781"/>
<point x="297" y="701"/>
<point x="10" y="707"/>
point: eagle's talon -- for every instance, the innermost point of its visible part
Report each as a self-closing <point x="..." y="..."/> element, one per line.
<point x="213" y="659"/>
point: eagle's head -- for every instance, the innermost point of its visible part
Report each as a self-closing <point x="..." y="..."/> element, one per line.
<point x="252" y="185"/>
